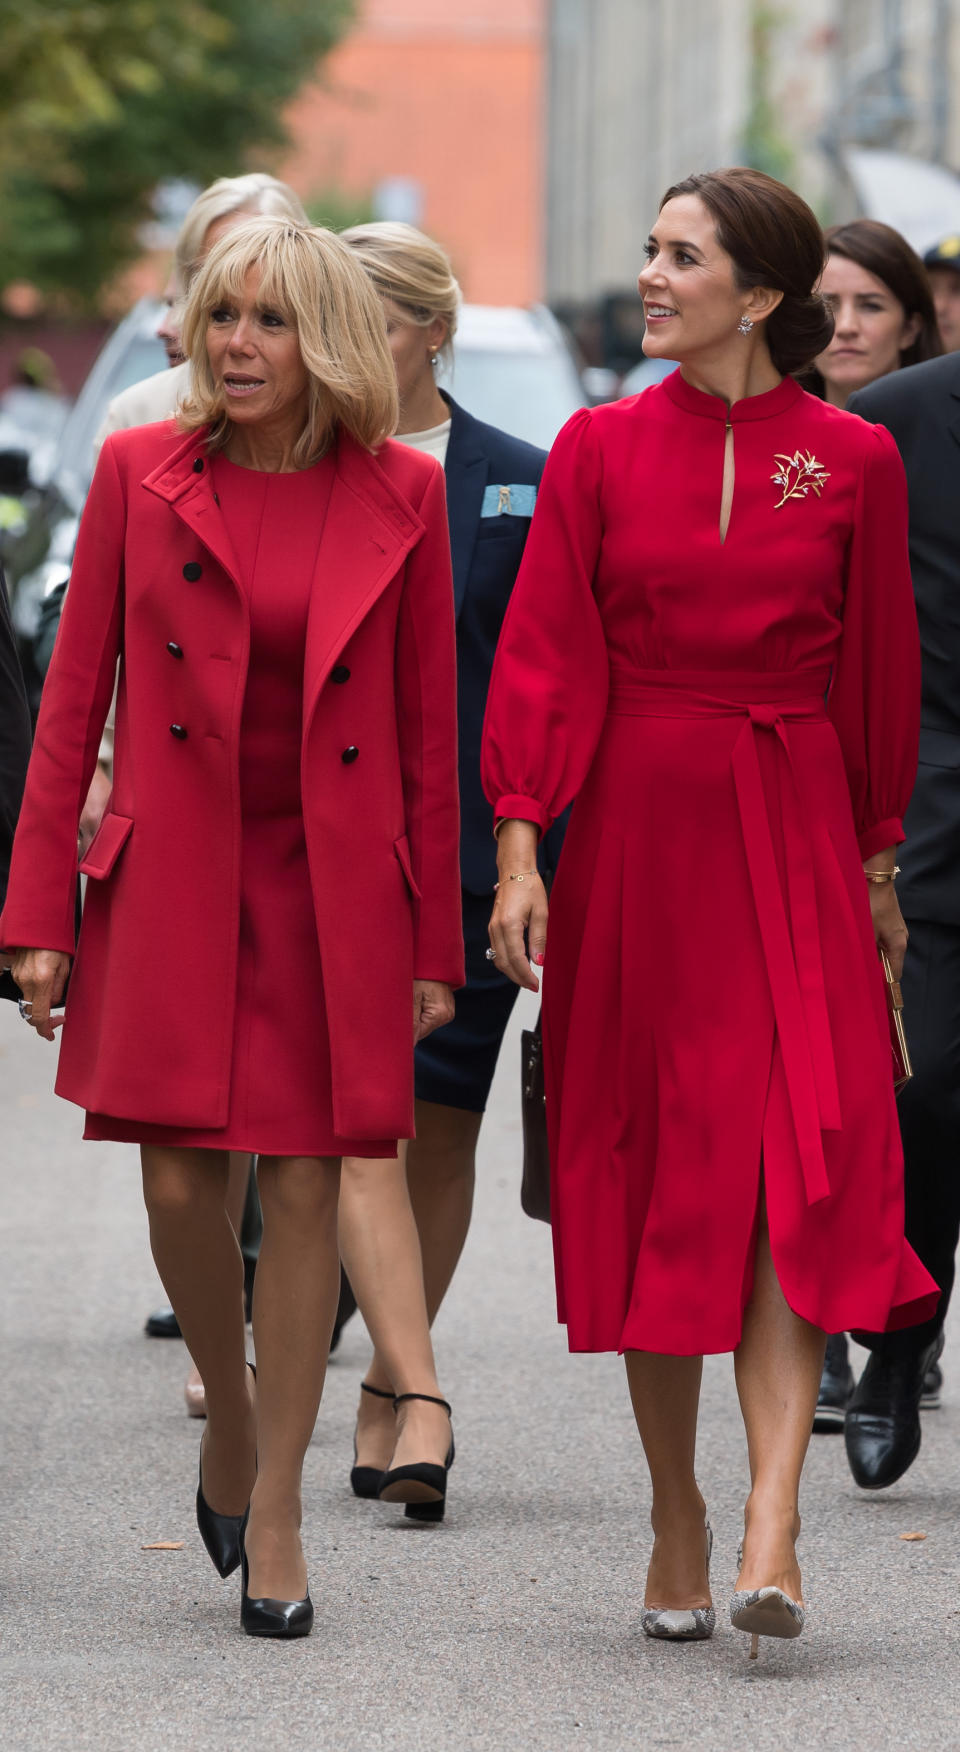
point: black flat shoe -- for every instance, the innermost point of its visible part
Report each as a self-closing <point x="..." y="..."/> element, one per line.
<point x="882" y="1429"/>
<point x="220" y="1533"/>
<point x="365" y="1480"/>
<point x="423" y="1486"/>
<point x="836" y="1387"/>
<point x="266" y="1617"/>
<point x="162" y="1323"/>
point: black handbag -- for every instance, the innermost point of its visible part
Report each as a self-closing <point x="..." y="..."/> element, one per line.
<point x="535" y="1184"/>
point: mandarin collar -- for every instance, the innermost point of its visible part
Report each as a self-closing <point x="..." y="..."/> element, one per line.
<point x="713" y="407"/>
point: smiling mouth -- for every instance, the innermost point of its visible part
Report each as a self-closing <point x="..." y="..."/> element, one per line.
<point x="658" y="312"/>
<point x="242" y="385"/>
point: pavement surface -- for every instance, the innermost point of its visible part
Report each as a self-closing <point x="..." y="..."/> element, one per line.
<point x="513" y="1627"/>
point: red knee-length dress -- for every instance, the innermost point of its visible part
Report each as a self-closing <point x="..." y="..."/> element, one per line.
<point x="738" y="722"/>
<point x="276" y="522"/>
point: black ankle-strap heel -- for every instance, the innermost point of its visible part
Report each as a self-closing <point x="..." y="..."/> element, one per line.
<point x="423" y="1486"/>
<point x="365" y="1480"/>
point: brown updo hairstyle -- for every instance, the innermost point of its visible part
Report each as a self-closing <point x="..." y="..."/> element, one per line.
<point x="887" y="255"/>
<point x="773" y="239"/>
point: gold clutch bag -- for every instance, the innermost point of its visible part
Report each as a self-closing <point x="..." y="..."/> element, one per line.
<point x="899" y="1051"/>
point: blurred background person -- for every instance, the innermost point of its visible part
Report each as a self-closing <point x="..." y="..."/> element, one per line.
<point x="943" y="266"/>
<point x="882" y="304"/>
<point x="884" y="318"/>
<point x="285" y="535"/>
<point x="902" y="1377"/>
<point x="491" y="480"/>
<point x="14" y="753"/>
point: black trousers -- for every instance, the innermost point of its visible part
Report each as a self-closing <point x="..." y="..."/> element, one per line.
<point x="930" y="1117"/>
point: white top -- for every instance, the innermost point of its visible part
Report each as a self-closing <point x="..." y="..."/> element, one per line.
<point x="143" y="404"/>
<point x="434" y="441"/>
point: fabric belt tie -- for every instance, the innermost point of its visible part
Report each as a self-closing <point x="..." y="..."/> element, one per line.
<point x="789" y="924"/>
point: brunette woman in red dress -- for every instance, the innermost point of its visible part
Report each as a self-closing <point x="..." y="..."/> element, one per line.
<point x="272" y="915"/>
<point x="712" y="646"/>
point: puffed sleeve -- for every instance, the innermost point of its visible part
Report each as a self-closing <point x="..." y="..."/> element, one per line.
<point x="874" y="699"/>
<point x="548" y="691"/>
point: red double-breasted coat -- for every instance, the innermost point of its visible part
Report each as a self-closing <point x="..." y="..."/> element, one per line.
<point x="149" y="1021"/>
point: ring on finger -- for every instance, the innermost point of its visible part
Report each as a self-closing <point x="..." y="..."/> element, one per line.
<point x="491" y="954"/>
<point x="25" y="1006"/>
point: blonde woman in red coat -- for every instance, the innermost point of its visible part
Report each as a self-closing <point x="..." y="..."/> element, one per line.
<point x="273" y="909"/>
<point x="712" y="646"/>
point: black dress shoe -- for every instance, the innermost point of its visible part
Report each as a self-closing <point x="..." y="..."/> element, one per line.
<point x="836" y="1387"/>
<point x="932" y="1387"/>
<point x="162" y="1324"/>
<point x="266" y="1617"/>
<point x="422" y="1487"/>
<point x="882" y="1429"/>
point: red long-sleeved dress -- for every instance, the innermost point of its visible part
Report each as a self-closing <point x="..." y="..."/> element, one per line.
<point x="738" y="723"/>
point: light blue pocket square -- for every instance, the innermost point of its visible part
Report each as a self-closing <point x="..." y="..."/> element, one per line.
<point x="513" y="501"/>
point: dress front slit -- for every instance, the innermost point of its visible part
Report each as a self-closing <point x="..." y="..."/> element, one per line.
<point x="735" y="722"/>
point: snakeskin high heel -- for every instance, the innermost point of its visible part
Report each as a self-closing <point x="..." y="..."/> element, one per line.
<point x="682" y="1624"/>
<point x="765" y="1612"/>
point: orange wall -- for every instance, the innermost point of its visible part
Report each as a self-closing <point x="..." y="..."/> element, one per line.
<point x="449" y="92"/>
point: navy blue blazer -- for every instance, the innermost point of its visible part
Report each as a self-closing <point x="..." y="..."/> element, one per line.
<point x="489" y="520"/>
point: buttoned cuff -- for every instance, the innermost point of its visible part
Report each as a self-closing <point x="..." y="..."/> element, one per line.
<point x="878" y="838"/>
<point x="520" y="809"/>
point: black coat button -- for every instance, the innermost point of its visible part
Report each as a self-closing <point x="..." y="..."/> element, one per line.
<point x="192" y="571"/>
<point x="340" y="674"/>
<point x="179" y="732"/>
<point x="174" y="649"/>
<point x="198" y="466"/>
<point x="349" y="755"/>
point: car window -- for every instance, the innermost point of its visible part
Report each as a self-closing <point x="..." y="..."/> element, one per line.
<point x="529" y="395"/>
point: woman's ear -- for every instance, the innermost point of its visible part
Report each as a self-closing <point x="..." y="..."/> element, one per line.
<point x="762" y="302"/>
<point x="911" y="331"/>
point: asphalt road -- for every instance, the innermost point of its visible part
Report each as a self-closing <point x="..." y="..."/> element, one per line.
<point x="514" y="1628"/>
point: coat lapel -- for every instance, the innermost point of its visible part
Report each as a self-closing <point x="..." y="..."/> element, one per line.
<point x="369" y="530"/>
<point x="467" y="469"/>
<point x="189" y="492"/>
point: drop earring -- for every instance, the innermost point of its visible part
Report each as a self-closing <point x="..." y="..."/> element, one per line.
<point x="744" y="325"/>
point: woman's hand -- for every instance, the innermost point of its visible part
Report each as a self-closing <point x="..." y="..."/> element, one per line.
<point x="432" y="1007"/>
<point x="888" y="926"/>
<point x="519" y="921"/>
<point x="98" y="797"/>
<point x="41" y="975"/>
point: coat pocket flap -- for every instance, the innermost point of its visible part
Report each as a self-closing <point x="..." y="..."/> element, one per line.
<point x="107" y="844"/>
<point x="402" y="848"/>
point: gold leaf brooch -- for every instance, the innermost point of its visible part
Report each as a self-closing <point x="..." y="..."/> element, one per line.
<point x="797" y="474"/>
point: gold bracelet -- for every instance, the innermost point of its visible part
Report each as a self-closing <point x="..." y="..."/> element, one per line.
<point x="882" y="875"/>
<point x="517" y="876"/>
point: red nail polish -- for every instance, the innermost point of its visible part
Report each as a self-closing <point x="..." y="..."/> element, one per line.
<point x="538" y="961"/>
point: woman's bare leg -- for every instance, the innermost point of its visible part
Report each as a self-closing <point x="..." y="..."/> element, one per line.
<point x="441" y="1171"/>
<point x="778" y="1366"/>
<point x="381" y="1252"/>
<point x="201" y="1268"/>
<point x="666" y="1395"/>
<point x="238" y="1174"/>
<point x="294" y="1303"/>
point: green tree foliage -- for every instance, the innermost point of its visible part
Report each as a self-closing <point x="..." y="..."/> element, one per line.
<point x="102" y="99"/>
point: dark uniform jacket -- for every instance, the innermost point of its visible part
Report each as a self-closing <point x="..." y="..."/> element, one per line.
<point x="920" y="406"/>
<point x="492" y="482"/>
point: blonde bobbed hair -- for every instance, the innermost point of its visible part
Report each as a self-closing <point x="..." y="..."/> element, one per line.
<point x="317" y="285"/>
<point x="407" y="267"/>
<point x="255" y="193"/>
